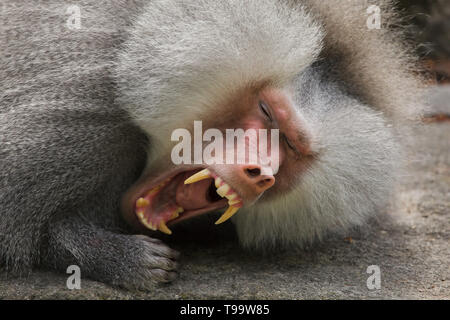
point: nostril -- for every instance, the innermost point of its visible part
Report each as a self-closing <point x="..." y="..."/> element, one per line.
<point x="265" y="183"/>
<point x="253" y="172"/>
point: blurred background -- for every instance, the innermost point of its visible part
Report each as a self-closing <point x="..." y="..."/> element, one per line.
<point x="429" y="30"/>
<point x="428" y="25"/>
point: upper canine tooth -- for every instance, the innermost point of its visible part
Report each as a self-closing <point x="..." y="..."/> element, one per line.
<point x="204" y="174"/>
<point x="223" y="190"/>
<point x="228" y="214"/>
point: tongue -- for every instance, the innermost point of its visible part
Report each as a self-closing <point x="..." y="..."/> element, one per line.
<point x="193" y="196"/>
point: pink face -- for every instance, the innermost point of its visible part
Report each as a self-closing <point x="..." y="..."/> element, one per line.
<point x="173" y="193"/>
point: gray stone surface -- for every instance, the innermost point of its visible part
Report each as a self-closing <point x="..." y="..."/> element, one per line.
<point x="410" y="244"/>
<point x="439" y="99"/>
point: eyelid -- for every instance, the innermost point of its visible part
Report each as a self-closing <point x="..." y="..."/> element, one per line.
<point x="288" y="142"/>
<point x="265" y="109"/>
<point x="290" y="145"/>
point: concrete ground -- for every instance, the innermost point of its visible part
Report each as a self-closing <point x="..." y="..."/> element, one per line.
<point x="411" y="245"/>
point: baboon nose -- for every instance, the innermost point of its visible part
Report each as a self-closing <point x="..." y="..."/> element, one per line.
<point x="254" y="177"/>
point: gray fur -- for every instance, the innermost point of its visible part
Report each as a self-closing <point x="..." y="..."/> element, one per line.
<point x="350" y="180"/>
<point x="81" y="112"/>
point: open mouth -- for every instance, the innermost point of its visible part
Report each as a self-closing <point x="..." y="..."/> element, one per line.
<point x="185" y="195"/>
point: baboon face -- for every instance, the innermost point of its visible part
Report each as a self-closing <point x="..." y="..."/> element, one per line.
<point x="233" y="172"/>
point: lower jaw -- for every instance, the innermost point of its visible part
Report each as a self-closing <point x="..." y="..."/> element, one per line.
<point x="129" y="199"/>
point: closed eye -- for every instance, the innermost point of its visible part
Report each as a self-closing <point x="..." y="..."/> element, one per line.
<point x="291" y="145"/>
<point x="265" y="109"/>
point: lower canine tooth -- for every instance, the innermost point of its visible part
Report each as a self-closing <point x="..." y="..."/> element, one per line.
<point x="163" y="228"/>
<point x="227" y="215"/>
<point x="223" y="190"/>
